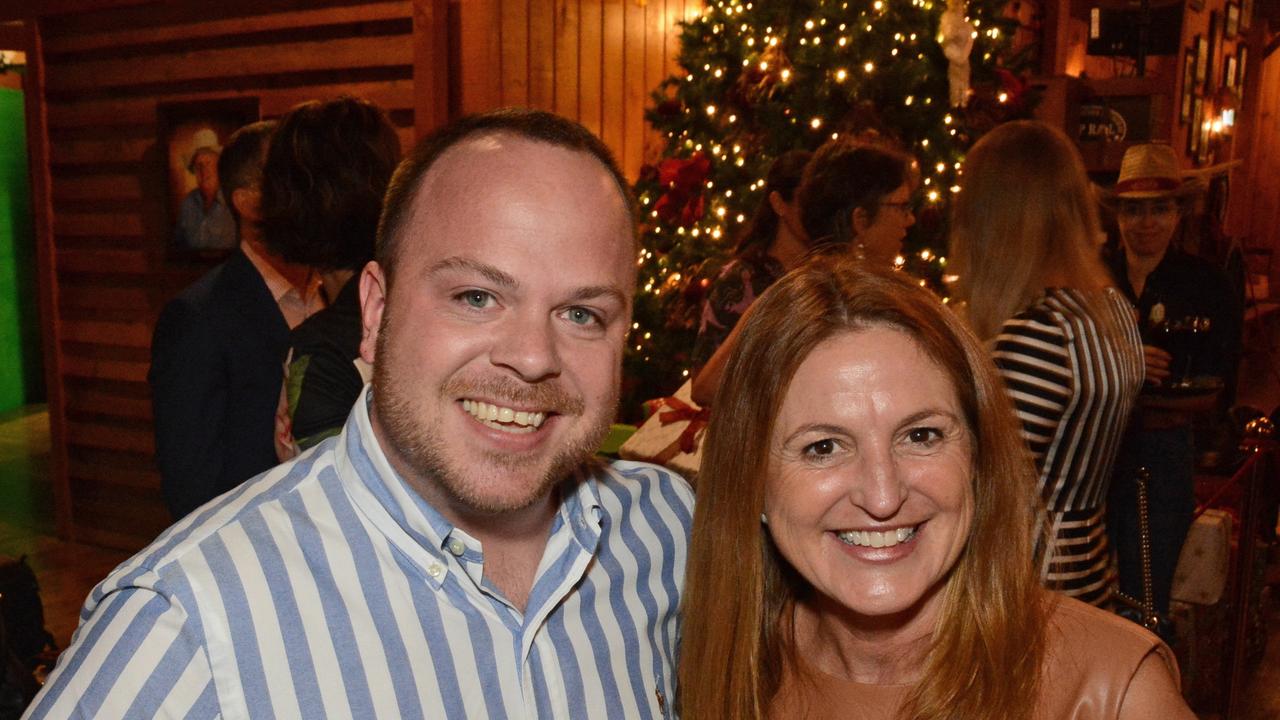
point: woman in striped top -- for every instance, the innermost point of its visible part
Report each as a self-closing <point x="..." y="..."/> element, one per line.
<point x="1066" y="342"/>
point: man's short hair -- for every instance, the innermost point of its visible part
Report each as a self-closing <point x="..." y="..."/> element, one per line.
<point x="240" y="164"/>
<point x="536" y="125"/>
<point x="323" y="182"/>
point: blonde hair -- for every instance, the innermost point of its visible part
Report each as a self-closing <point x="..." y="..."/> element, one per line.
<point x="985" y="655"/>
<point x="1025" y="218"/>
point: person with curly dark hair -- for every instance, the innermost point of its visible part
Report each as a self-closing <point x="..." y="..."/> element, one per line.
<point x="325" y="175"/>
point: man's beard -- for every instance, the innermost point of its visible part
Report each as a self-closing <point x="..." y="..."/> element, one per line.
<point x="416" y="436"/>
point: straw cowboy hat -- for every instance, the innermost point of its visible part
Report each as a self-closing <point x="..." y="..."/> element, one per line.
<point x="1151" y="170"/>
<point x="204" y="141"/>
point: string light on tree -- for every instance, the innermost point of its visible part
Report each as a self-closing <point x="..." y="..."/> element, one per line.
<point x="761" y="78"/>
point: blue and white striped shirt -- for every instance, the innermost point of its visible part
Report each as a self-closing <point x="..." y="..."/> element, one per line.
<point x="328" y="588"/>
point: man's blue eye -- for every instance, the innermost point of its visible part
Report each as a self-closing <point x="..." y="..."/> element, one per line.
<point x="476" y="298"/>
<point x="580" y="316"/>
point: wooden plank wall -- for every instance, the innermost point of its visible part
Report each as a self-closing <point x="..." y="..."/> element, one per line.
<point x="595" y="61"/>
<point x="1254" y="214"/>
<point x="105" y="73"/>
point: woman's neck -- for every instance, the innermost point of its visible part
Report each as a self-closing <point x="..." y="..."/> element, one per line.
<point x="787" y="248"/>
<point x="1139" y="267"/>
<point x="888" y="650"/>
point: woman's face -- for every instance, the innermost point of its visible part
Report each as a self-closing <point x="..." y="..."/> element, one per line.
<point x="868" y="493"/>
<point x="881" y="237"/>
<point x="1147" y="225"/>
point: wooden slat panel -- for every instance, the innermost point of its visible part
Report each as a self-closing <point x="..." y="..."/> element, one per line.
<point x="85" y="367"/>
<point x="126" y="334"/>
<point x="72" y="188"/>
<point x="612" y="77"/>
<point x="344" y="53"/>
<point x="392" y="95"/>
<point x="634" y="90"/>
<point x="481" y="63"/>
<point x="515" y="52"/>
<point x="111" y="436"/>
<point x="431" y="65"/>
<point x="566" y="57"/>
<point x="103" y="261"/>
<point x="542" y="54"/>
<point x="104" y="297"/>
<point x="590" y="72"/>
<point x="92" y="152"/>
<point x="259" y="23"/>
<point x="94" y="401"/>
<point x="115" y="475"/>
<point x="98" y="224"/>
<point x="655" y="60"/>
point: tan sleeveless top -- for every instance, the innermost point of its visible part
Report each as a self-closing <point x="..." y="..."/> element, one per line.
<point x="1091" y="655"/>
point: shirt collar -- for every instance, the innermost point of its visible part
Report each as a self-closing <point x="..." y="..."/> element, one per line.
<point x="277" y="284"/>
<point x="411" y="523"/>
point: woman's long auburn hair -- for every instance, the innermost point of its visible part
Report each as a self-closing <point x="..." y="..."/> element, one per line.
<point x="986" y="652"/>
<point x="1026" y="212"/>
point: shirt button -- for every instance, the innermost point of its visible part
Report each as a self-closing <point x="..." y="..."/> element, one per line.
<point x="435" y="571"/>
<point x="456" y="547"/>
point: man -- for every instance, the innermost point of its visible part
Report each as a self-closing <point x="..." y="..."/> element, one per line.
<point x="1167" y="286"/>
<point x="456" y="552"/>
<point x="205" y="221"/>
<point x="218" y="350"/>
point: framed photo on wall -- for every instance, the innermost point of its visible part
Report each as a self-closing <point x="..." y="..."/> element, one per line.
<point x="1229" y="74"/>
<point x="1193" y="132"/>
<point x="1215" y="47"/>
<point x="1242" y="62"/>
<point x="1232" y="24"/>
<point x="1246" y="15"/>
<point x="1188" y="84"/>
<point x="1202" y="58"/>
<point x="191" y="138"/>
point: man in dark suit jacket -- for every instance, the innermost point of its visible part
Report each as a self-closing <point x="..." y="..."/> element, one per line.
<point x="218" y="351"/>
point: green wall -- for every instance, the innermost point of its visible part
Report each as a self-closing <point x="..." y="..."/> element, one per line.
<point x="21" y="374"/>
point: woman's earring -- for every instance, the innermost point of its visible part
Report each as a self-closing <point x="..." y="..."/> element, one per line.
<point x="764" y="519"/>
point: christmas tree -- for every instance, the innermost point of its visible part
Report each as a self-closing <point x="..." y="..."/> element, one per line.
<point x="763" y="77"/>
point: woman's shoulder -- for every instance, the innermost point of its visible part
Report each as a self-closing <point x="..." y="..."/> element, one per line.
<point x="1092" y="655"/>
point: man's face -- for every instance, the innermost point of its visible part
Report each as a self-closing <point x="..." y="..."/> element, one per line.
<point x="1147" y="225"/>
<point x="206" y="169"/>
<point x="497" y="352"/>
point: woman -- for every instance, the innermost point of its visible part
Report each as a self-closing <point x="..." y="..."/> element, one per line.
<point x="326" y="172"/>
<point x="856" y="547"/>
<point x="1024" y="245"/>
<point x="850" y="196"/>
<point x="773" y="243"/>
<point x="859" y="196"/>
<point x="1166" y="284"/>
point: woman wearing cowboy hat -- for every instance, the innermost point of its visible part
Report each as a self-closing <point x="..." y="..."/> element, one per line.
<point x="1166" y="285"/>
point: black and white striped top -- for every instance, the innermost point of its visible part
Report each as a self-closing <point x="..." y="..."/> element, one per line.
<point x="1073" y="386"/>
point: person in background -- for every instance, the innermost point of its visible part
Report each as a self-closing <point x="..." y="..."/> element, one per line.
<point x="853" y="196"/>
<point x="1166" y="285"/>
<point x="205" y="220"/>
<point x="773" y="242"/>
<point x="1024" y="246"/>
<point x="861" y="546"/>
<point x="458" y="551"/>
<point x="858" y="196"/>
<point x="324" y="179"/>
<point x="218" y="349"/>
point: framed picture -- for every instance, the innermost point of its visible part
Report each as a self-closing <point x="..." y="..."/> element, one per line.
<point x="1188" y="84"/>
<point x="1232" y="24"/>
<point x="1242" y="62"/>
<point x="1215" y="47"/>
<point x="1246" y="15"/>
<point x="1229" y="74"/>
<point x="191" y="138"/>
<point x="1202" y="58"/>
<point x="1197" y="123"/>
